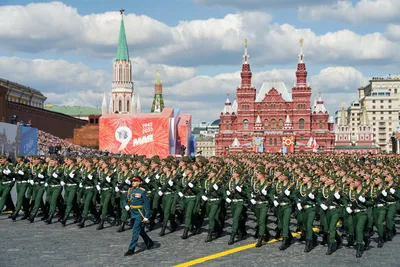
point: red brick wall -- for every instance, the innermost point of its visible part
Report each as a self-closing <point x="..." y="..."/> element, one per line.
<point x="3" y="100"/>
<point x="57" y="124"/>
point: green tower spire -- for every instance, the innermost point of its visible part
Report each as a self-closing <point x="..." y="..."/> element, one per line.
<point x="158" y="101"/>
<point x="122" y="52"/>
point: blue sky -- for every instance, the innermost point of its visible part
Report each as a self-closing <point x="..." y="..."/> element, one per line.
<point x="65" y="49"/>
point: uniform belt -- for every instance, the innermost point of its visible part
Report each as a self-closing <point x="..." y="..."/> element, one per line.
<point x="167" y="193"/>
<point x="136" y="207"/>
<point x="107" y="188"/>
<point x="379" y="205"/>
<point x="22" y="182"/>
<point x="332" y="207"/>
<point x="389" y="203"/>
<point x="148" y="192"/>
<point x="9" y="182"/>
<point x="213" y="199"/>
<point x="89" y="187"/>
<point x="262" y="202"/>
<point x="70" y="184"/>
<point x="283" y="204"/>
<point x="237" y="200"/>
<point x="358" y="210"/>
<point x="190" y="196"/>
<point x="42" y="182"/>
<point x="123" y="191"/>
<point x="56" y="185"/>
<point x="308" y="206"/>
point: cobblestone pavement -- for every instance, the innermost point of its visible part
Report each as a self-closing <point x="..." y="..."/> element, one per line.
<point x="38" y="244"/>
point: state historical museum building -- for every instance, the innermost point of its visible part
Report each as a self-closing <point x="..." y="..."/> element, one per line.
<point x="273" y="120"/>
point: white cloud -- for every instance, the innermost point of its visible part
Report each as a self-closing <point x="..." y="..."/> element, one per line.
<point x="253" y="4"/>
<point x="363" y="11"/>
<point x="393" y="32"/>
<point x="189" y="43"/>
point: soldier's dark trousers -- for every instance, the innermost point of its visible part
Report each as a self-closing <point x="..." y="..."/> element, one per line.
<point x="69" y="197"/>
<point x="38" y="197"/>
<point x="188" y="206"/>
<point x="124" y="213"/>
<point x="21" y="190"/>
<point x="167" y="201"/>
<point x="4" y="194"/>
<point x="52" y="196"/>
<point x="284" y="213"/>
<point x="237" y="209"/>
<point x="105" y="201"/>
<point x="379" y="218"/>
<point x="213" y="211"/>
<point x="391" y="212"/>
<point x="360" y="220"/>
<point x="332" y="217"/>
<point x="87" y="200"/>
<point x="138" y="230"/>
<point x="261" y="212"/>
<point x="308" y="221"/>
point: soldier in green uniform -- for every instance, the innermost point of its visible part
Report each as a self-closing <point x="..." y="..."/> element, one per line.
<point x="169" y="187"/>
<point x="7" y="180"/>
<point x="260" y="194"/>
<point x="212" y="194"/>
<point x="306" y="204"/>
<point x="70" y="181"/>
<point x="21" y="175"/>
<point x="53" y="182"/>
<point x="187" y="190"/>
<point x="376" y="195"/>
<point x="235" y="195"/>
<point x="37" y="172"/>
<point x="121" y="188"/>
<point x="357" y="198"/>
<point x="283" y="202"/>
<point x="393" y="194"/>
<point x="329" y="201"/>
<point x="106" y="184"/>
<point x="88" y="186"/>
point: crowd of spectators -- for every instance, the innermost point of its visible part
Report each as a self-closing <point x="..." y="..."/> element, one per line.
<point x="50" y="144"/>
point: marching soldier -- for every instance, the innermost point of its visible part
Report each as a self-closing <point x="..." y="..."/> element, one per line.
<point x="88" y="186"/>
<point x="22" y="175"/>
<point x="105" y="186"/>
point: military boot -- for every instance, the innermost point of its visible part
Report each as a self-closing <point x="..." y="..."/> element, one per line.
<point x="278" y="234"/>
<point x="82" y="223"/>
<point x="339" y="241"/>
<point x="380" y="242"/>
<point x="162" y="233"/>
<point x="185" y="233"/>
<point x="32" y="217"/>
<point x="26" y="215"/>
<point x="350" y="240"/>
<point x="308" y="246"/>
<point x="259" y="241"/>
<point x="209" y="236"/>
<point x="360" y="250"/>
<point x="232" y="239"/>
<point x="285" y="243"/>
<point x="50" y="219"/>
<point x="267" y="236"/>
<point x="324" y="238"/>
<point x="101" y="225"/>
<point x="14" y="215"/>
<point x="121" y="227"/>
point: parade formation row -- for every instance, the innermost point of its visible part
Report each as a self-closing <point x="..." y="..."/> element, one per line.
<point x="362" y="193"/>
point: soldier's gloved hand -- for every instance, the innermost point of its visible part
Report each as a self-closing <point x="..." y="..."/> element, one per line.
<point x="190" y="185"/>
<point x="311" y="195"/>
<point x="160" y="193"/>
<point x="55" y="175"/>
<point x="299" y="207"/>
<point x="72" y="175"/>
<point x="264" y="192"/>
<point x="127" y="181"/>
<point x="31" y="182"/>
<point x="127" y="208"/>
<point x="170" y="183"/>
<point x="180" y="194"/>
<point x="287" y="192"/>
<point x="80" y="185"/>
<point x="204" y="198"/>
<point x="228" y="200"/>
<point x="157" y="176"/>
<point x="361" y="198"/>
<point x="253" y="201"/>
<point x="40" y="176"/>
<point x="108" y="179"/>
<point x="20" y="172"/>
<point x="98" y="187"/>
<point x="337" y="196"/>
<point x="46" y="184"/>
<point x="384" y="193"/>
<point x="238" y="188"/>
<point x="13" y="179"/>
<point x="5" y="172"/>
<point x="276" y="203"/>
<point x="324" y="207"/>
<point x="90" y="177"/>
<point x="62" y="183"/>
<point x="392" y="191"/>
<point x="215" y="186"/>
<point x="145" y="220"/>
<point x="116" y="189"/>
<point x="228" y="193"/>
<point x="147" y="180"/>
<point x="349" y="211"/>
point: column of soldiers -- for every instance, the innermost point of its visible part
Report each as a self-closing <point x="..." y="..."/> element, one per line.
<point x="323" y="193"/>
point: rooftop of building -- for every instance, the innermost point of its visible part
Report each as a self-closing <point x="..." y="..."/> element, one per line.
<point x="390" y="77"/>
<point x="73" y="110"/>
<point x="215" y="123"/>
<point x="15" y="85"/>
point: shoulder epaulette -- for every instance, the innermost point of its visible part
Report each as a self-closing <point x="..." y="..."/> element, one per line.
<point x="142" y="188"/>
